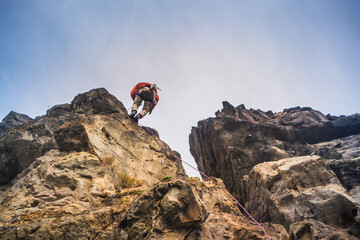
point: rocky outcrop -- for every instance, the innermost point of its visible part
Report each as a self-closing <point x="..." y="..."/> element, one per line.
<point x="289" y="167"/>
<point x="21" y="146"/>
<point x="86" y="170"/>
<point x="295" y="189"/>
<point x="12" y="120"/>
<point x="191" y="210"/>
<point x="237" y="139"/>
<point x="311" y="229"/>
<point x="20" y="143"/>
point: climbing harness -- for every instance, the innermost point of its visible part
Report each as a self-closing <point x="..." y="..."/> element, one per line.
<point x="174" y="155"/>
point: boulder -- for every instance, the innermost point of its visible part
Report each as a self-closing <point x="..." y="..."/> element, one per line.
<point x="312" y="229"/>
<point x="97" y="101"/>
<point x="72" y="136"/>
<point x="296" y="189"/>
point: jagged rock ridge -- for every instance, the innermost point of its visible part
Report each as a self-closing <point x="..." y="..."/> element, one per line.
<point x="12" y="120"/>
<point x="85" y="170"/>
<point x="298" y="168"/>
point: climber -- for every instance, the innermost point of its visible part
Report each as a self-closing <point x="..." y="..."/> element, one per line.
<point x="146" y="92"/>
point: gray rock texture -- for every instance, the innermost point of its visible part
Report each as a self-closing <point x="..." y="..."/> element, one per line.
<point x="295" y="189"/>
<point x="86" y="170"/>
<point x="286" y="167"/>
<point x="231" y="144"/>
<point x="312" y="229"/>
<point x="20" y="146"/>
<point x="12" y="120"/>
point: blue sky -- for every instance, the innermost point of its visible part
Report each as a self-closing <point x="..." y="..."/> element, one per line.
<point x="267" y="54"/>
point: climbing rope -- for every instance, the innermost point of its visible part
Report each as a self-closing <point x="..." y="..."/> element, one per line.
<point x="171" y="152"/>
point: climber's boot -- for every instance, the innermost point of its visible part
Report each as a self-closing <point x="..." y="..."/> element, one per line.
<point x="136" y="119"/>
<point x="132" y="114"/>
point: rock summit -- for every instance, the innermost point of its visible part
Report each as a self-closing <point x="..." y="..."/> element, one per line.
<point x="85" y="170"/>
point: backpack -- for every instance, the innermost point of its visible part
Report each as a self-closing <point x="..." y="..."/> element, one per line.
<point x="139" y="86"/>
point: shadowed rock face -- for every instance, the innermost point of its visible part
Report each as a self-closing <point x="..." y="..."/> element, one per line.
<point x="20" y="146"/>
<point x="85" y="170"/>
<point x="12" y="120"/>
<point x="312" y="229"/>
<point x="257" y="154"/>
<point x="62" y="128"/>
<point x="231" y="144"/>
<point x="295" y="189"/>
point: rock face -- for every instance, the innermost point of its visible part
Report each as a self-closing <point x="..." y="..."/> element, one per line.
<point x="311" y="229"/>
<point x="295" y="167"/>
<point x="295" y="189"/>
<point x="85" y="170"/>
<point x="12" y="120"/>
<point x="20" y="146"/>
<point x="191" y="210"/>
